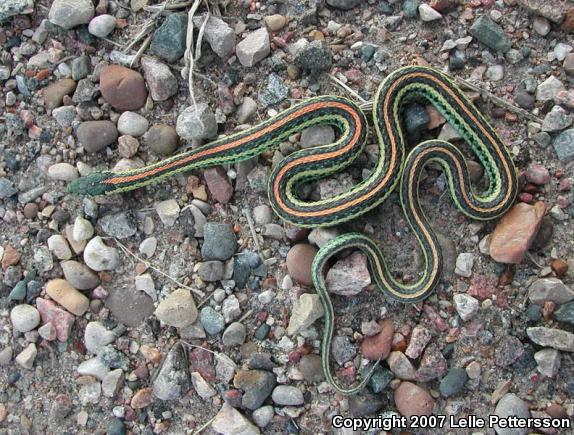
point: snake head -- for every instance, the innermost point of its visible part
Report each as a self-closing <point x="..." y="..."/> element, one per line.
<point x="92" y="185"/>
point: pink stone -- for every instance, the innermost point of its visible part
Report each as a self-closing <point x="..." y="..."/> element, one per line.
<point x="61" y="319"/>
<point x="379" y="346"/>
<point x="515" y="232"/>
<point x="434" y="316"/>
<point x="433" y="365"/>
<point x="526" y="197"/>
<point x="349" y="276"/>
<point x="218" y="184"/>
<point x="100" y="293"/>
<point x="419" y="339"/>
<point x="565" y="98"/>
<point x="481" y="287"/>
<point x="537" y="174"/>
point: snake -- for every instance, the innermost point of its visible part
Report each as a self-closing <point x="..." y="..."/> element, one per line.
<point x="394" y="168"/>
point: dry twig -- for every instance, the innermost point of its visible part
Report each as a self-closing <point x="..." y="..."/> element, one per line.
<point x="247" y="213"/>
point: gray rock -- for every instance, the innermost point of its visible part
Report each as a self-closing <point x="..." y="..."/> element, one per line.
<point x="349" y="276"/>
<point x="275" y="92"/>
<point x="494" y="73"/>
<point x="306" y="310"/>
<point x="548" y="361"/>
<point x="93" y="367"/>
<point x="401" y="366"/>
<point x="201" y="386"/>
<point x="9" y="8"/>
<point x="79" y="275"/>
<point x="563" y="145"/>
<point x="212" y="321"/>
<point x="262" y="214"/>
<point x="218" y="34"/>
<point x="119" y="225"/>
<point x="96" y="135"/>
<point x="342" y="349"/>
<point x="102" y="25"/>
<point x="254" y="47"/>
<point x="71" y="13"/>
<point x="257" y="386"/>
<point x="263" y="416"/>
<point x="178" y="309"/>
<point x="220" y="242"/>
<point x="549" y="289"/>
<point x="113" y="358"/>
<point x="317" y="135"/>
<point x="230" y="308"/>
<point x="112" y="382"/>
<point x="464" y="263"/>
<point x="286" y="395"/>
<point x="210" y="271"/>
<point x="541" y="26"/>
<point x="511" y="405"/>
<point x="453" y="382"/>
<point x="196" y="122"/>
<point x="98" y="256"/>
<point x="7" y="189"/>
<point x="97" y="336"/>
<point x="428" y="14"/>
<point x="246" y="110"/>
<point x="132" y="123"/>
<point x="168" y="41"/>
<point x="81" y="67"/>
<point x="548" y="89"/>
<point x="508" y="350"/>
<point x="64" y="115"/>
<point x="490" y="34"/>
<point x="557" y="120"/>
<point x="314" y="57"/>
<point x="58" y="246"/>
<point x="554" y="338"/>
<point x="27" y="357"/>
<point x="234" y="334"/>
<point x="24" y="317"/>
<point x="173" y="381"/>
<point x="161" y="82"/>
<point x="168" y="211"/>
<point x="343" y="4"/>
<point x="466" y="306"/>
<point x="90" y="393"/>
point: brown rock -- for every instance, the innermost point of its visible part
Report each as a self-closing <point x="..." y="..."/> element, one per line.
<point x="122" y="87"/>
<point x="556" y="411"/>
<point x="11" y="257"/>
<point x="54" y="93"/>
<point x="142" y="398"/>
<point x="379" y="346"/>
<point x="411" y="399"/>
<point x="568" y="64"/>
<point x="67" y="296"/>
<point x="568" y="23"/>
<point x="559" y="267"/>
<point x="96" y="135"/>
<point x="218" y="184"/>
<point x="515" y="232"/>
<point x="299" y="261"/>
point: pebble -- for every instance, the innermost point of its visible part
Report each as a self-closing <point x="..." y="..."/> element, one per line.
<point x="494" y="73"/>
<point x="317" y="135"/>
<point x="162" y="139"/>
<point x="253" y="48"/>
<point x="537" y="174"/>
<point x="196" y="122"/>
<point x="132" y="123"/>
<point x="234" y="335"/>
<point x="515" y="232"/>
<point x="410" y="399"/>
<point x="420" y="337"/>
<point x="378" y="346"/>
<point x="58" y="245"/>
<point x="218" y="184"/>
<point x="24" y="318"/>
<point x="230" y="421"/>
<point x="168" y="211"/>
<point x="554" y="338"/>
<point x="47" y="332"/>
<point x="211" y="271"/>
<point x="286" y="395"/>
<point x="561" y="50"/>
<point x="557" y="119"/>
<point x="299" y="259"/>
<point x="112" y="382"/>
<point x="490" y="34"/>
<point x="428" y="14"/>
<point x="246" y="110"/>
<point x="464" y="263"/>
<point x="568" y="64"/>
<point x="66" y="295"/>
<point x="400" y="365"/>
<point x="202" y="388"/>
<point x="306" y="310"/>
<point x="97" y="336"/>
<point x="314" y="57"/>
<point x="349" y="276"/>
<point x="511" y="405"/>
<point x="7" y="190"/>
<point x="466" y="306"/>
<point x="93" y="367"/>
<point x="83" y="229"/>
<point x="257" y="386"/>
<point x="262" y="214"/>
<point x="549" y="289"/>
<point x="212" y="321"/>
<point x="564" y="145"/>
<point x="96" y="135"/>
<point x="342" y="349"/>
<point x="161" y="82"/>
<point x="68" y="14"/>
<point x="541" y="26"/>
<point x="98" y="256"/>
<point x="173" y="379"/>
<point x="142" y="398"/>
<point x="102" y="25"/>
<point x="51" y="313"/>
<point x="5" y="356"/>
<point x="178" y="309"/>
<point x="311" y="369"/>
<point x="62" y="172"/>
<point x="343" y="4"/>
<point x="263" y="416"/>
<point x="565" y="313"/>
<point x="453" y="383"/>
<point x="547" y="90"/>
<point x="168" y="41"/>
<point x="220" y="242"/>
<point x="122" y="87"/>
<point x="79" y="275"/>
<point x="473" y="370"/>
<point x="218" y="34"/>
<point x="27" y="357"/>
<point x="275" y="92"/>
<point x="64" y="115"/>
<point x="548" y="361"/>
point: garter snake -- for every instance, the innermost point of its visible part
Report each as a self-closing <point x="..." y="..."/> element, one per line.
<point x="394" y="167"/>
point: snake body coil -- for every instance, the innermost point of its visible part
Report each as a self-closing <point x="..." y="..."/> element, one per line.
<point x="394" y="167"/>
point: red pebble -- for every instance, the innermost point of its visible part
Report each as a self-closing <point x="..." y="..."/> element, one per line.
<point x="548" y="309"/>
<point x="564" y="185"/>
<point x="526" y="197"/>
<point x="294" y="357"/>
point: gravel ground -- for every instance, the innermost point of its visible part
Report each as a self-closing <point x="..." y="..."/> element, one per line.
<point x="187" y="306"/>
